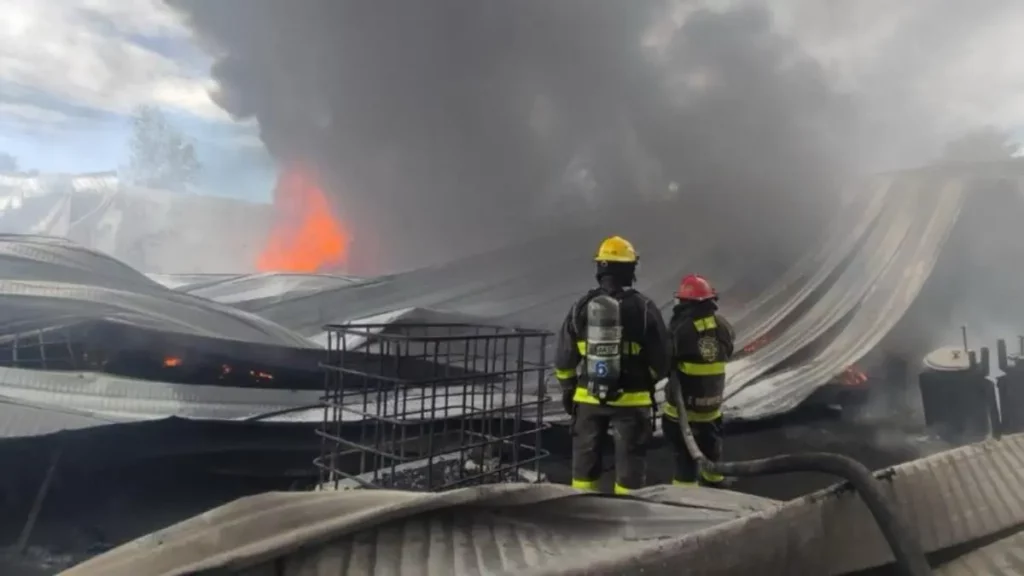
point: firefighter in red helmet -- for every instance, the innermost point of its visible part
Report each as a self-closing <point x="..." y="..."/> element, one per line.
<point x="702" y="342"/>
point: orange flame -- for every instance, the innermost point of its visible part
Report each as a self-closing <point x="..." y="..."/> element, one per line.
<point x="172" y="361"/>
<point x="305" y="237"/>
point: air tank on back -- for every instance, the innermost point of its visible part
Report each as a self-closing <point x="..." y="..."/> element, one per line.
<point x="957" y="396"/>
<point x="604" y="343"/>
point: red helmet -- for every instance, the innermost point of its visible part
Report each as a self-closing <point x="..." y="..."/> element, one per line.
<point x="695" y="288"/>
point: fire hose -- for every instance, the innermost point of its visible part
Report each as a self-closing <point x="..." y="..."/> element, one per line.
<point x="909" y="555"/>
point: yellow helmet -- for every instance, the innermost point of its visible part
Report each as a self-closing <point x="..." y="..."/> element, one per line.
<point x="615" y="249"/>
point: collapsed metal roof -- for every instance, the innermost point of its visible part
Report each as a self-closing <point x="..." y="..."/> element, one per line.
<point x="254" y="291"/>
<point x="865" y="276"/>
<point x="862" y="279"/>
<point x="20" y="419"/>
<point x="49" y="282"/>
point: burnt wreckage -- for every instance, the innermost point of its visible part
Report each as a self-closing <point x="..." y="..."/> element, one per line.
<point x="106" y="370"/>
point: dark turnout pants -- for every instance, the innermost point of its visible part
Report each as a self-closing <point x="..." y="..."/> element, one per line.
<point x="629" y="430"/>
<point x="709" y="439"/>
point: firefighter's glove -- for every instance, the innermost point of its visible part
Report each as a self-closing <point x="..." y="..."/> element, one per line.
<point x="567" y="404"/>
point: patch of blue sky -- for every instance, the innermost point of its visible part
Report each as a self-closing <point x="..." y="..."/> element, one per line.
<point x="234" y="161"/>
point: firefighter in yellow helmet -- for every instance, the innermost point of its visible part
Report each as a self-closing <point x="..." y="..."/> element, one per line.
<point x="612" y="348"/>
<point x="702" y="342"/>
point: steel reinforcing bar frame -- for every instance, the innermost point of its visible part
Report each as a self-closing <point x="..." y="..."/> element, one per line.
<point x="432" y="406"/>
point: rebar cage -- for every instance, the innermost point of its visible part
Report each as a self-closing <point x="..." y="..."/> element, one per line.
<point x="431" y="406"/>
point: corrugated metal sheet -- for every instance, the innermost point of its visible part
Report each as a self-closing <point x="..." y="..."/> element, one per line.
<point x="415" y="533"/>
<point x="1003" y="558"/>
<point x="883" y="280"/>
<point x="124" y="399"/>
<point x="47" y="282"/>
<point x="114" y="399"/>
<point x="951" y="499"/>
<point x="19" y="419"/>
<point x="882" y="250"/>
<point x="256" y="291"/>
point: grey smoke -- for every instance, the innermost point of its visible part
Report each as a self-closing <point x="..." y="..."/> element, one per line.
<point x="447" y="126"/>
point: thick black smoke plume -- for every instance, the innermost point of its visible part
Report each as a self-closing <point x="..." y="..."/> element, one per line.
<point x="447" y="126"/>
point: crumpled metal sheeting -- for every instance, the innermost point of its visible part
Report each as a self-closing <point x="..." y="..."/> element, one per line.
<point x="49" y="282"/>
<point x="1002" y="558"/>
<point x="892" y="290"/>
<point x="530" y="284"/>
<point x="126" y="399"/>
<point x="883" y="241"/>
<point x="19" y="419"/>
<point x="480" y="530"/>
<point x="775" y="304"/>
<point x="415" y="289"/>
<point x="76" y="400"/>
<point x="479" y="542"/>
<point x="952" y="498"/>
<point x="172" y="313"/>
<point x="184" y="282"/>
<point x="253" y="290"/>
<point x="52" y="258"/>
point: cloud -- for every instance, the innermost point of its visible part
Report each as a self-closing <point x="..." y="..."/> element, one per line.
<point x="30" y="115"/>
<point x="950" y="63"/>
<point x="71" y="71"/>
<point x="101" y="56"/>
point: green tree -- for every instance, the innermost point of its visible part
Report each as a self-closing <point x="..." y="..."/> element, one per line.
<point x="161" y="156"/>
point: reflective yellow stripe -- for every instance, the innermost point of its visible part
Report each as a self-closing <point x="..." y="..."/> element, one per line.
<point x="630" y="399"/>
<point x="565" y="374"/>
<point x="702" y="369"/>
<point x="681" y="483"/>
<point x="705" y="324"/>
<point x="584" y="484"/>
<point x="669" y="410"/>
<point x="628" y="348"/>
<point x="711" y="477"/>
<point x="703" y="416"/>
<point x="621" y="490"/>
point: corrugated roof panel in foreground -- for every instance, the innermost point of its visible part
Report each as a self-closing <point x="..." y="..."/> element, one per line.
<point x="949" y="499"/>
